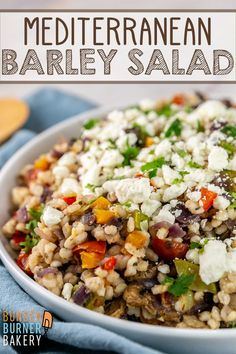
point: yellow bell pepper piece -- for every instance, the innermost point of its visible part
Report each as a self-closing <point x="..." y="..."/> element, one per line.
<point x="149" y="141"/>
<point x="101" y="203"/>
<point x="41" y="163"/>
<point x="136" y="238"/>
<point x="104" y="216"/>
<point x="90" y="259"/>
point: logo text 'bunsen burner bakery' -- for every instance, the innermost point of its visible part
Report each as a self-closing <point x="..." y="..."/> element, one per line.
<point x="25" y="328"/>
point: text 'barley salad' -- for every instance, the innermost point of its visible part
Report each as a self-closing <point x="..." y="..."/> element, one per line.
<point x="136" y="218"/>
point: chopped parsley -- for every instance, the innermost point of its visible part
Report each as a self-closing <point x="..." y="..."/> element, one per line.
<point x="127" y="204"/>
<point x="31" y="238"/>
<point x="35" y="213"/>
<point x="179" y="286"/>
<point x="112" y="144"/>
<point x="229" y="130"/>
<point x="174" y="129"/>
<point x="151" y="167"/>
<point x="152" y="173"/>
<point x="193" y="164"/>
<point x="166" y="111"/>
<point x="130" y="154"/>
<point x="200" y="128"/>
<point x="177" y="181"/>
<point x="230" y="148"/>
<point x="91" y="187"/>
<point x="188" y="109"/>
<point x="180" y="180"/>
<point x="181" y="153"/>
<point x="198" y="245"/>
<point x="90" y="124"/>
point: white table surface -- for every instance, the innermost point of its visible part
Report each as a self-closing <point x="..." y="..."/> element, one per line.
<point x="119" y="94"/>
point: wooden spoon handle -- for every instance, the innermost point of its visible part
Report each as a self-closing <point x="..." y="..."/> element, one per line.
<point x="13" y="114"/>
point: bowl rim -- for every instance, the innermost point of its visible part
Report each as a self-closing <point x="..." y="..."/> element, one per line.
<point x="100" y="319"/>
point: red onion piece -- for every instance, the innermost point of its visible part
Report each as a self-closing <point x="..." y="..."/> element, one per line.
<point x="80" y="295"/>
<point x="174" y="230"/>
<point x="22" y="215"/>
<point x="186" y="217"/>
<point x="162" y="224"/>
<point x="88" y="219"/>
<point x="41" y="273"/>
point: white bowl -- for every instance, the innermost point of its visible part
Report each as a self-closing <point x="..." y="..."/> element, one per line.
<point x="170" y="340"/>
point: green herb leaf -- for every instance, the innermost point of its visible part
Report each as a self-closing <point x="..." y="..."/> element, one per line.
<point x="174" y="129"/>
<point x="181" y="285"/>
<point x="91" y="187"/>
<point x="229" y="130"/>
<point x="90" y="124"/>
<point x="112" y="144"/>
<point x="181" y="153"/>
<point x="130" y="154"/>
<point x="152" y="173"/>
<point x="166" y="110"/>
<point x="168" y="280"/>
<point x="158" y="163"/>
<point x="193" y="164"/>
<point x="230" y="148"/>
<point x="188" y="109"/>
<point x="198" y="245"/>
<point x="200" y="127"/>
<point x="35" y="213"/>
<point x="31" y="240"/>
<point x="31" y="225"/>
<point x="177" y="181"/>
<point x="127" y="204"/>
<point x="194" y="245"/>
<point x="183" y="173"/>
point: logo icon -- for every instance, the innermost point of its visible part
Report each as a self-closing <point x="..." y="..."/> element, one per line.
<point x="47" y="322"/>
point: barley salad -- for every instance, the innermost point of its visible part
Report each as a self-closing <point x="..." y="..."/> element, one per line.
<point x="136" y="218"/>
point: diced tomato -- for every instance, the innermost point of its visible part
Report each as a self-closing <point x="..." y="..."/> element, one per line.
<point x="178" y="99"/>
<point x="110" y="263"/>
<point x="22" y="262"/>
<point x="70" y="199"/>
<point x="91" y="246"/>
<point x="169" y="249"/>
<point x="207" y="198"/>
<point x="18" y="237"/>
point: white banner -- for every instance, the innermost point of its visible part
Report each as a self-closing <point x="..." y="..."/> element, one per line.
<point x="118" y="46"/>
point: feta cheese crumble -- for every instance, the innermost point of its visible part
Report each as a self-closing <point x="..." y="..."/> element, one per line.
<point x="52" y="216"/>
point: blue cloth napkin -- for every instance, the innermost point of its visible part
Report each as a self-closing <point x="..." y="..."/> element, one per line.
<point x="49" y="106"/>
